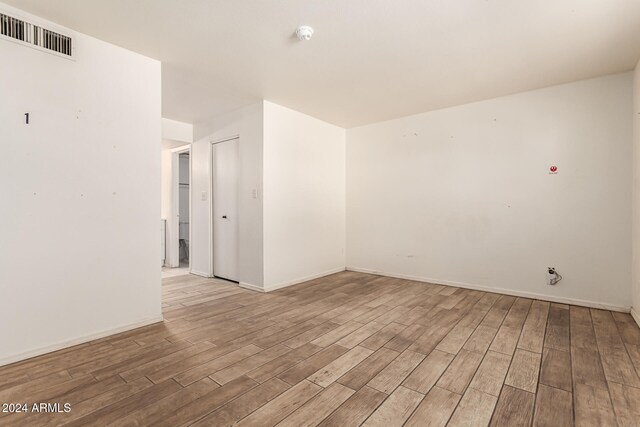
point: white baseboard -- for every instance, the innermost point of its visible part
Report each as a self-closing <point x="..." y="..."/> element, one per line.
<point x="635" y="315"/>
<point x="199" y="273"/>
<point x="290" y="283"/>
<point x="251" y="287"/>
<point x="77" y="341"/>
<point x="303" y="279"/>
<point x="543" y="297"/>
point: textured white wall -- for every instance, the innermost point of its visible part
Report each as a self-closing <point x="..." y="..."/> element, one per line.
<point x="464" y="195"/>
<point x="635" y="283"/>
<point x="304" y="197"/>
<point x="177" y="131"/>
<point x="80" y="241"/>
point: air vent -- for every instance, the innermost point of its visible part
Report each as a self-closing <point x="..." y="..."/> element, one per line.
<point x="35" y="35"/>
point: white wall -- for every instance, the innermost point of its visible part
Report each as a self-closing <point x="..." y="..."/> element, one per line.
<point x="464" y="195"/>
<point x="177" y="131"/>
<point x="304" y="197"/>
<point x="80" y="240"/>
<point x="166" y="170"/>
<point x="636" y="198"/>
<point x="165" y="201"/>
<point x="247" y="124"/>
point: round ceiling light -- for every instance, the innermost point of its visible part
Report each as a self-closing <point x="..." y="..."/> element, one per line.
<point x="304" y="32"/>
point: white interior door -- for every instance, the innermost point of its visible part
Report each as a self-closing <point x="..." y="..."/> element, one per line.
<point x="225" y="209"/>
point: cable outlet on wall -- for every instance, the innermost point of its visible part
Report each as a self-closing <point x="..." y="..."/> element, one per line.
<point x="552" y="276"/>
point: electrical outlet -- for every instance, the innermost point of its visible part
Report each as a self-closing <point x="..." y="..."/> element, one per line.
<point x="552" y="276"/>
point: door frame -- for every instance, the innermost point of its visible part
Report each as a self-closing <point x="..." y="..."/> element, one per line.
<point x="173" y="244"/>
<point x="211" y="144"/>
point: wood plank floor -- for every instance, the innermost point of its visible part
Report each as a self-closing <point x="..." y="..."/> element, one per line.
<point x="348" y="349"/>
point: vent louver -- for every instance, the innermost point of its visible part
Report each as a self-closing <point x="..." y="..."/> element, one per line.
<point x="35" y="35"/>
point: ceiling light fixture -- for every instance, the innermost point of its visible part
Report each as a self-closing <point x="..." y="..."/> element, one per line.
<point x="304" y="32"/>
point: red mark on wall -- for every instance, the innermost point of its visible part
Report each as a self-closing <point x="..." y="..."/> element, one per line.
<point x="553" y="170"/>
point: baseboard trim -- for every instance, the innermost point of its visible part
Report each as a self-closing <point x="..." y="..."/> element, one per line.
<point x="532" y="295"/>
<point x="77" y="341"/>
<point x="199" y="273"/>
<point x="304" y="279"/>
<point x="635" y="316"/>
<point x="251" y="287"/>
<point x="290" y="283"/>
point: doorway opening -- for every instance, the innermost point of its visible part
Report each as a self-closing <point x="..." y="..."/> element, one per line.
<point x="178" y="219"/>
<point x="184" y="183"/>
<point x="224" y="209"/>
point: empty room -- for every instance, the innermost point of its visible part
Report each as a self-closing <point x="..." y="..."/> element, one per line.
<point x="320" y="213"/>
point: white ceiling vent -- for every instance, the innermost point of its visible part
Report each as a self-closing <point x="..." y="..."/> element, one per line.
<point x="36" y="36"/>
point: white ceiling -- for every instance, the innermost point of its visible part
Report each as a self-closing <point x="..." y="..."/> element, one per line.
<point x="369" y="60"/>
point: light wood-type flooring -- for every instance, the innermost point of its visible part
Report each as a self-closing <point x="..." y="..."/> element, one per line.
<point x="343" y="350"/>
